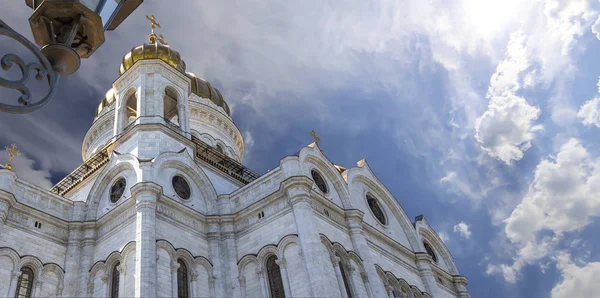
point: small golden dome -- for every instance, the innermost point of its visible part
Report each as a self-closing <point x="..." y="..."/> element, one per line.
<point x="154" y="50"/>
<point x="109" y="99"/>
<point x="202" y="88"/>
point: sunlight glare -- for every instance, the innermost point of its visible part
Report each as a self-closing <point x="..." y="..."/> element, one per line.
<point x="488" y="17"/>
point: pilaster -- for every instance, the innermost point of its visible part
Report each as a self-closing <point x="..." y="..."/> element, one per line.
<point x="73" y="261"/>
<point x="460" y="284"/>
<point x="423" y="261"/>
<point x="214" y="247"/>
<point x="229" y="256"/>
<point x="297" y="189"/>
<point x="354" y="219"/>
<point x="146" y="195"/>
<point x="88" y="243"/>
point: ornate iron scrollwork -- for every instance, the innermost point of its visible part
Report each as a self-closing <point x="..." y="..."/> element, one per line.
<point x="43" y="70"/>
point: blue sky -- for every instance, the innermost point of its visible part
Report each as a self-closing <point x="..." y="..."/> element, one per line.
<point x="482" y="115"/>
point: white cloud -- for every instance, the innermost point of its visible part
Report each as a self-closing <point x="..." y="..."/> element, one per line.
<point x="576" y="281"/>
<point x="563" y="197"/>
<point x="590" y="112"/>
<point x="463" y="229"/>
<point x="248" y="140"/>
<point x="506" y="129"/>
<point x="540" y="54"/>
<point x="445" y="238"/>
<point x="596" y="28"/>
<point x="25" y="170"/>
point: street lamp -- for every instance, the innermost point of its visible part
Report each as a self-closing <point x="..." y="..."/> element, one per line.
<point x="67" y="30"/>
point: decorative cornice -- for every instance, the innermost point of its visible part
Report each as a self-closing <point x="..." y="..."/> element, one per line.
<point x="146" y="187"/>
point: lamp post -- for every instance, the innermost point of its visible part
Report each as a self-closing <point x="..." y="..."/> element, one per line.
<point x="67" y="30"/>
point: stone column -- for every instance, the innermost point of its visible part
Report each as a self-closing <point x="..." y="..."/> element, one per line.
<point x="354" y="219"/>
<point x="390" y="291"/>
<point x="90" y="289"/>
<point x="87" y="254"/>
<point x="146" y="195"/>
<point x="211" y="286"/>
<point x="174" y="268"/>
<point x="351" y="276"/>
<point x="338" y="275"/>
<point x="122" y="277"/>
<point x="460" y="283"/>
<point x="73" y="260"/>
<point x="365" y="279"/>
<point x="37" y="288"/>
<point x="12" y="286"/>
<point x="423" y="261"/>
<point x="263" y="282"/>
<point x="194" y="284"/>
<point x="242" y="281"/>
<point x="105" y="286"/>
<point x="284" y="277"/>
<point x="297" y="189"/>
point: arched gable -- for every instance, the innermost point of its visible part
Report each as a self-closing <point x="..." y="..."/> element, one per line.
<point x="185" y="255"/>
<point x="390" y="281"/>
<point x="199" y="181"/>
<point x="361" y="181"/>
<point x="426" y="233"/>
<point x="118" y="164"/>
<point x="245" y="261"/>
<point x="12" y="255"/>
<point x="32" y="262"/>
<point x="312" y="156"/>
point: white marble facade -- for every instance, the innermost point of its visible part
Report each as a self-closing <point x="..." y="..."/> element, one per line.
<point x="326" y="244"/>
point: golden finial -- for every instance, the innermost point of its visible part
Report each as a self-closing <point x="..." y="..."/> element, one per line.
<point x="155" y="24"/>
<point x="314" y="135"/>
<point x="12" y="152"/>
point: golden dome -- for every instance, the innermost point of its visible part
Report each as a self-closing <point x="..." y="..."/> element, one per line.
<point x="155" y="50"/>
<point x="108" y="100"/>
<point x="203" y="88"/>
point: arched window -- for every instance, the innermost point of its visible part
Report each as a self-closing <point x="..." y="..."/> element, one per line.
<point x="182" y="280"/>
<point x="319" y="181"/>
<point x="117" y="189"/>
<point x="131" y="108"/>
<point x="114" y="282"/>
<point x="220" y="149"/>
<point x="274" y="276"/>
<point x="429" y="251"/>
<point x="376" y="209"/>
<point x="345" y="279"/>
<point x="170" y="104"/>
<point x="25" y="283"/>
<point x="397" y="293"/>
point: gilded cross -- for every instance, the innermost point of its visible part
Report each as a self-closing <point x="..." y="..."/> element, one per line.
<point x="12" y="152"/>
<point x="155" y="24"/>
<point x="161" y="39"/>
<point x="314" y="135"/>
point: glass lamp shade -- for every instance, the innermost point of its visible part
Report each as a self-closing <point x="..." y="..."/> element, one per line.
<point x="111" y="12"/>
<point x="78" y="24"/>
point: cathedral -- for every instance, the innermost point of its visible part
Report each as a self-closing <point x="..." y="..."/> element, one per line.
<point x="163" y="207"/>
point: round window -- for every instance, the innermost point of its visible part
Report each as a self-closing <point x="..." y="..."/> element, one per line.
<point x="319" y="181"/>
<point x="117" y="190"/>
<point x="181" y="187"/>
<point x="376" y="209"/>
